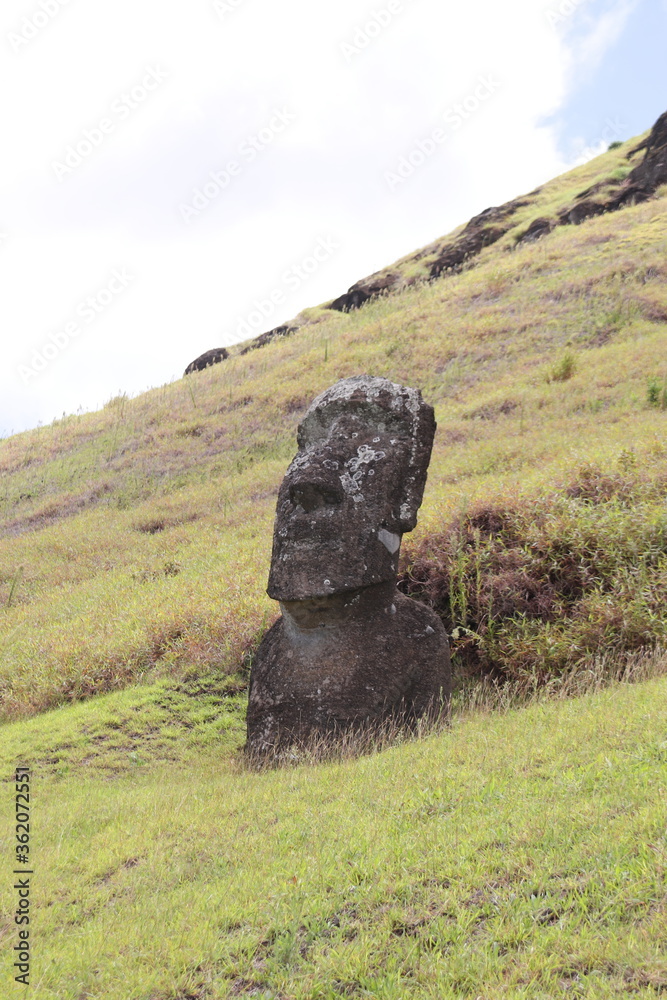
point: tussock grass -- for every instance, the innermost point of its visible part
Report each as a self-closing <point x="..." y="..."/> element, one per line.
<point x="539" y="587"/>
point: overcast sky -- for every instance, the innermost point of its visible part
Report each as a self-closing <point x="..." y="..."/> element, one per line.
<point x="178" y="176"/>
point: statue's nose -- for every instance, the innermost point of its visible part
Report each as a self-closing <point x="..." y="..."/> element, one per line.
<point x="313" y="495"/>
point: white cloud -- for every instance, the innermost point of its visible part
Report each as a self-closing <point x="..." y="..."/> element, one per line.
<point x="594" y="34"/>
<point x="323" y="176"/>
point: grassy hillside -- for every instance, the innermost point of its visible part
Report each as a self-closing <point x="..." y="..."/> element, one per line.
<point x="136" y="541"/>
<point x="519" y="855"/>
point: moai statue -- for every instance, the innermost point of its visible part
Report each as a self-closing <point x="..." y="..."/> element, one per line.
<point x="349" y="650"/>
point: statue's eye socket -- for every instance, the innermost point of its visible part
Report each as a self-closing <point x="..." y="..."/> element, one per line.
<point x="312" y="496"/>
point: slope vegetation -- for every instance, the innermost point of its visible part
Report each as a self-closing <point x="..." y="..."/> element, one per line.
<point x="521" y="853"/>
<point x="136" y="540"/>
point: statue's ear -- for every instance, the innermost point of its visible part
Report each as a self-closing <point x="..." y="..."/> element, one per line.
<point x="422" y="435"/>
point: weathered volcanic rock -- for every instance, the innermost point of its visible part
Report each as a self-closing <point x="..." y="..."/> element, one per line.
<point x="206" y="360"/>
<point x="586" y="209"/>
<point x="652" y="171"/>
<point x="482" y="231"/>
<point x="490" y="225"/>
<point x="339" y="663"/>
<point x="349" y="650"/>
<point x="376" y="284"/>
<point x="453" y="256"/>
<point x="640" y="184"/>
<point x="536" y="230"/>
<point x="266" y="338"/>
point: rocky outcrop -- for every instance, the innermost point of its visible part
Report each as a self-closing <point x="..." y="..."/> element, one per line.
<point x="485" y="229"/>
<point x="482" y="231"/>
<point x="641" y="183"/>
<point x="377" y="284"/>
<point x="207" y="359"/>
<point x="469" y="244"/>
<point x="492" y="224"/>
<point x="348" y="651"/>
<point x="537" y="229"/>
<point x="573" y="215"/>
<point x="266" y="338"/>
<point x="651" y="173"/>
<point x="221" y="353"/>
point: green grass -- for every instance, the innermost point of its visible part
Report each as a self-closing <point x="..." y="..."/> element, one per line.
<point x="168" y="721"/>
<point x="520" y="854"/>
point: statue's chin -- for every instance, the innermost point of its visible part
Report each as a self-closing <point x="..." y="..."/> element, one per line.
<point x="338" y="609"/>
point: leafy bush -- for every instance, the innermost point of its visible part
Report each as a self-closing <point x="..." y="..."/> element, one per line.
<point x="657" y="393"/>
<point x="542" y="589"/>
<point x="563" y="369"/>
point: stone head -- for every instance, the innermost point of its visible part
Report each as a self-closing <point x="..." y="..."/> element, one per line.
<point x="353" y="489"/>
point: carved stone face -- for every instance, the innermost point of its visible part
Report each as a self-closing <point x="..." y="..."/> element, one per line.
<point x="352" y="490"/>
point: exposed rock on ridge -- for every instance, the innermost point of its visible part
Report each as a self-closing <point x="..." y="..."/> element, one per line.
<point x="492" y="224"/>
<point x="266" y="338"/>
<point x="451" y="255"/>
<point x="207" y="359"/>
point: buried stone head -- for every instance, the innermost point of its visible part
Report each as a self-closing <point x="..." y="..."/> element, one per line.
<point x="349" y="650"/>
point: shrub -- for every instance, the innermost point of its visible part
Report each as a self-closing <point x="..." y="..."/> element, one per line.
<point x="614" y="145"/>
<point x="563" y="369"/>
<point x="657" y="392"/>
<point x="542" y="589"/>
